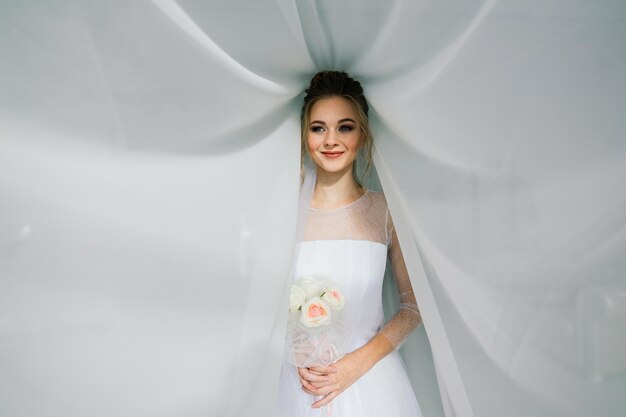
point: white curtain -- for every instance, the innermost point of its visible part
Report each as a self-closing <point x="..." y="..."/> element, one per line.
<point x="149" y="176"/>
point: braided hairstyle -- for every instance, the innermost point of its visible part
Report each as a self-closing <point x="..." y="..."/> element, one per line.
<point x="327" y="84"/>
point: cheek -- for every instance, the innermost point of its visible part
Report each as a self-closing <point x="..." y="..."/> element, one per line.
<point x="312" y="144"/>
<point x="354" y="143"/>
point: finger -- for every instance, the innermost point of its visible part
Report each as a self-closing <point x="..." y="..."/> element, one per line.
<point x="328" y="398"/>
<point x="323" y="369"/>
<point x="322" y="391"/>
<point x="304" y="382"/>
<point x="311" y="377"/>
<point x="315" y="387"/>
<point x="307" y="386"/>
<point x="322" y="384"/>
<point x="307" y="373"/>
<point x="316" y="372"/>
<point x="307" y="391"/>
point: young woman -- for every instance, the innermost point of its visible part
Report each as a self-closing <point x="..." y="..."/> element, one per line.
<point x="348" y="236"/>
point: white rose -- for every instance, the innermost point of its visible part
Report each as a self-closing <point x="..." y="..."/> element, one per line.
<point x="312" y="287"/>
<point x="334" y="298"/>
<point x="297" y="297"/>
<point x="315" y="313"/>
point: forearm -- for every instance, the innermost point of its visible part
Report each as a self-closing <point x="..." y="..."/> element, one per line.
<point x="402" y="324"/>
<point x="370" y="353"/>
<point x="389" y="337"/>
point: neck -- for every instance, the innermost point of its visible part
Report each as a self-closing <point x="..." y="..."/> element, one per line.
<point x="335" y="189"/>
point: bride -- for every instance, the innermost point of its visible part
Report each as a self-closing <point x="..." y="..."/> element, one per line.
<point x="348" y="236"/>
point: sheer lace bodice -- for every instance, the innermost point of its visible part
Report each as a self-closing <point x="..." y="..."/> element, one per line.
<point x="365" y="219"/>
<point x="368" y="220"/>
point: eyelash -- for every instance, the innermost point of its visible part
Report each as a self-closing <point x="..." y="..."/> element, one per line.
<point x="342" y="128"/>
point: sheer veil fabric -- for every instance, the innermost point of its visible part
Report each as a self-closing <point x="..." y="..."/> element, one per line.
<point x="150" y="180"/>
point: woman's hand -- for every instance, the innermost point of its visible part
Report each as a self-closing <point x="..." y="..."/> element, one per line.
<point x="330" y="381"/>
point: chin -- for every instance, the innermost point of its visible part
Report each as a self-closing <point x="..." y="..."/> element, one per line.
<point x="335" y="170"/>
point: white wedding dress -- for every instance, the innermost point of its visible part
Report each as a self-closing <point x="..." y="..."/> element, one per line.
<point x="350" y="246"/>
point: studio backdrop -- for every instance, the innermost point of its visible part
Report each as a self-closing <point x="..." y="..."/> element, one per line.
<point x="149" y="188"/>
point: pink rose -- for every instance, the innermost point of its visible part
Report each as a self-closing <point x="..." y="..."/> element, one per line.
<point x="315" y="313"/>
<point x="334" y="298"/>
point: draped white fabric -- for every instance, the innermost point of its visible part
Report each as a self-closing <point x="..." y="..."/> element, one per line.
<point x="149" y="175"/>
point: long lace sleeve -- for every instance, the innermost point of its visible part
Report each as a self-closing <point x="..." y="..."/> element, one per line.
<point x="408" y="317"/>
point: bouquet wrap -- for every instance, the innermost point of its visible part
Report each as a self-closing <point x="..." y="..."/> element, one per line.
<point x="316" y="334"/>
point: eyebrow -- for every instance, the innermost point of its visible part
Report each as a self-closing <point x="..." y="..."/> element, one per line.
<point x="340" y="121"/>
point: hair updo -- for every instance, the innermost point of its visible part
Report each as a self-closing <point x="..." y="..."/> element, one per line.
<point x="327" y="84"/>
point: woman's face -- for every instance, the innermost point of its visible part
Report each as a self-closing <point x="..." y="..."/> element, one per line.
<point x="334" y="135"/>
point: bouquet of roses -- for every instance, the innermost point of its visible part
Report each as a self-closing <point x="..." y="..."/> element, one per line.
<point x="315" y="332"/>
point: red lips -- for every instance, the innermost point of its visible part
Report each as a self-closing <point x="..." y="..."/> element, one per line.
<point x="332" y="155"/>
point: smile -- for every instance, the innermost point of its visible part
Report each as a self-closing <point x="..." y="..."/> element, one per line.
<point x="332" y="155"/>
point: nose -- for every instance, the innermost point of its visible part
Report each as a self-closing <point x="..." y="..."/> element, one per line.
<point x="330" y="139"/>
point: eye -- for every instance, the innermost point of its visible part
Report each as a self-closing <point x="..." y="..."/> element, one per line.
<point x="317" y="128"/>
<point x="346" y="128"/>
